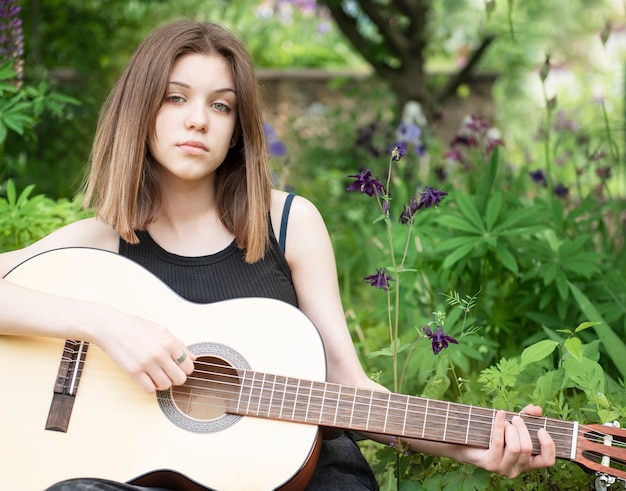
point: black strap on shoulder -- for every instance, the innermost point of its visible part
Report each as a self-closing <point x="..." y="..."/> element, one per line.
<point x="282" y="240"/>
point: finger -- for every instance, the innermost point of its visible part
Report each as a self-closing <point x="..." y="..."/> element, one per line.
<point x="162" y="379"/>
<point x="525" y="448"/>
<point x="547" y="457"/>
<point x="509" y="464"/>
<point x="146" y="383"/>
<point x="532" y="410"/>
<point x="185" y="361"/>
<point x="497" y="433"/>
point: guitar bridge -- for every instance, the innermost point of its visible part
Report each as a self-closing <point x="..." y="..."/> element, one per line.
<point x="66" y="386"/>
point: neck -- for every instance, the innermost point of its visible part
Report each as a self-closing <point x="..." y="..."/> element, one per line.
<point x="188" y="224"/>
<point x="339" y="406"/>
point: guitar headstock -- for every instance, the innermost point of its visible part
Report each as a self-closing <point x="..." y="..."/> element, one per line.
<point x="602" y="449"/>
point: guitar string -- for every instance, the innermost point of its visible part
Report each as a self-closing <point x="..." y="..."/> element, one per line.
<point x="487" y="421"/>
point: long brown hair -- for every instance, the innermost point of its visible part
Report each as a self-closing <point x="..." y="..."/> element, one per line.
<point x="122" y="184"/>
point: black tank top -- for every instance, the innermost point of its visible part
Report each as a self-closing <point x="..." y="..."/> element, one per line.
<point x="216" y="277"/>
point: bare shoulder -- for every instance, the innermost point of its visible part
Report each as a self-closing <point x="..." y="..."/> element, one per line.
<point x="89" y="232"/>
<point x="301" y="213"/>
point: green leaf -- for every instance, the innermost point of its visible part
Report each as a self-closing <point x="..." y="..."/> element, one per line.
<point x="586" y="374"/>
<point x="11" y="193"/>
<point x="585" y="325"/>
<point x="458" y="254"/>
<point x="538" y="351"/>
<point x="612" y="343"/>
<point x="574" y="347"/>
<point x="519" y="215"/>
<point x="561" y="285"/>
<point x="467" y="208"/>
<point x="507" y="258"/>
<point x="456" y="242"/>
<point x="548" y="385"/>
<point x="494" y="205"/>
<point x="458" y="223"/>
<point x="549" y="273"/>
<point x="485" y="186"/>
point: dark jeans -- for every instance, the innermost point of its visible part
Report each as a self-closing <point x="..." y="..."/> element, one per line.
<point x="341" y="467"/>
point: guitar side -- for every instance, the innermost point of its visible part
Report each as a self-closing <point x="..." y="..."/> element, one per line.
<point x="116" y="431"/>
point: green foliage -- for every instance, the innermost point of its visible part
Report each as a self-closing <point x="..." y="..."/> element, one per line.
<point x="21" y="109"/>
<point x="25" y="218"/>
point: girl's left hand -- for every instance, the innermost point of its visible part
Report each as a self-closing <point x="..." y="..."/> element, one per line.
<point x="510" y="451"/>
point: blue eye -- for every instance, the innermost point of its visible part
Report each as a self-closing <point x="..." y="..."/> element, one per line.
<point x="220" y="106"/>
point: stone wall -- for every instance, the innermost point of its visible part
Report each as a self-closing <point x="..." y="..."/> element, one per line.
<point x="289" y="94"/>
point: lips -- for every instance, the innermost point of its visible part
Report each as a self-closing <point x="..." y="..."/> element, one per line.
<point x="193" y="147"/>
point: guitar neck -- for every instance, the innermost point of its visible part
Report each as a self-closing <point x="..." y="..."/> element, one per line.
<point x="327" y="404"/>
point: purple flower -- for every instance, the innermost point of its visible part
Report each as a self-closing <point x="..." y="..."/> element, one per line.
<point x="408" y="133"/>
<point x="275" y="146"/>
<point x="561" y="190"/>
<point x="475" y="124"/>
<point x="538" y="176"/>
<point x="467" y="141"/>
<point x="604" y="173"/>
<point x="439" y="339"/>
<point x="11" y="36"/>
<point x="364" y="183"/>
<point x="398" y="152"/>
<point x="408" y="211"/>
<point x="430" y="197"/>
<point x="379" y="280"/>
<point x="454" y="155"/>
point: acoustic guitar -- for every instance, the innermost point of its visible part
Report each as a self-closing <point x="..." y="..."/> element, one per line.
<point x="248" y="418"/>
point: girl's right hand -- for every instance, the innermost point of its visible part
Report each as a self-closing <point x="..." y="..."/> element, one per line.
<point x="145" y="350"/>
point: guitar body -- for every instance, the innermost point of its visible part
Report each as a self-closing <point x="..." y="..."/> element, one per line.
<point x="115" y="430"/>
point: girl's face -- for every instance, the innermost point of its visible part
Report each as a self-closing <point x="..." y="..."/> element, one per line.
<point x="196" y="121"/>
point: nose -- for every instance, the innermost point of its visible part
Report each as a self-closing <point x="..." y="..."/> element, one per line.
<point x="197" y="119"/>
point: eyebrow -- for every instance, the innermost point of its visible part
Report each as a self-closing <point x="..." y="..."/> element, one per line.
<point x="187" y="86"/>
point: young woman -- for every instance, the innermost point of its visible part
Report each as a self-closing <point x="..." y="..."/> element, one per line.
<point x="180" y="183"/>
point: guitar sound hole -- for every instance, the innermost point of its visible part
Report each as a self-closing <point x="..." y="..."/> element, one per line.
<point x="208" y="389"/>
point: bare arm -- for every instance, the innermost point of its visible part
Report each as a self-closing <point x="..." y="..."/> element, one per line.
<point x="311" y="258"/>
<point x="143" y="349"/>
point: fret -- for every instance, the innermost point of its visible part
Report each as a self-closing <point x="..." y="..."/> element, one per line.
<point x="469" y="423"/>
<point x="316" y="399"/>
<point x="447" y="419"/>
<point x="361" y="404"/>
<point x="305" y="390"/>
<point x="369" y="411"/>
<point x="280" y="388"/>
<point x="479" y="431"/>
<point x="353" y="406"/>
<point x="322" y="403"/>
<point x="345" y="406"/>
<point x="271" y="393"/>
<point x="377" y="415"/>
<point x="435" y="420"/>
<point x="387" y="406"/>
<point x="424" y="419"/>
<point x="337" y="405"/>
<point x="398" y="414"/>
<point x="330" y="404"/>
<point x="406" y="413"/>
<point x="244" y="393"/>
<point x="295" y="402"/>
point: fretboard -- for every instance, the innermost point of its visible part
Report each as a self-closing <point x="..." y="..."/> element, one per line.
<point x="326" y="404"/>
